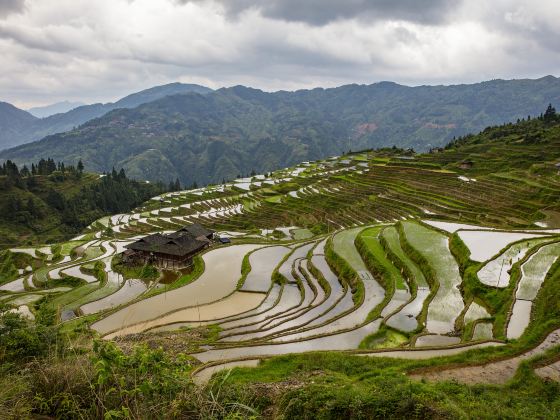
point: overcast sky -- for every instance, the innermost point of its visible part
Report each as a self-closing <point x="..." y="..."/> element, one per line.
<point x="100" y="50"/>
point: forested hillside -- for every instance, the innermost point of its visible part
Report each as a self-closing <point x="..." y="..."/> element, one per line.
<point x="232" y="131"/>
<point x="19" y="127"/>
<point x="51" y="202"/>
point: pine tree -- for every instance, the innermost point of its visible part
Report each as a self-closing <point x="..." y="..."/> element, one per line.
<point x="549" y="114"/>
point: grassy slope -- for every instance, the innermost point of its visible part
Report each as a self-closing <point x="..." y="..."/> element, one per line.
<point x="371" y="238"/>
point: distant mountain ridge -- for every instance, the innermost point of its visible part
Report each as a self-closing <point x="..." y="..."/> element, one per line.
<point x="25" y="128"/>
<point x="56" y="108"/>
<point x="231" y="131"/>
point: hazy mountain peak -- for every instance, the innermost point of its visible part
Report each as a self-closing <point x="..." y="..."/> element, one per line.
<point x="56" y="108"/>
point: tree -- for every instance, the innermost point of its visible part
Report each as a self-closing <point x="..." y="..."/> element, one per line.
<point x="80" y="166"/>
<point x="549" y="114"/>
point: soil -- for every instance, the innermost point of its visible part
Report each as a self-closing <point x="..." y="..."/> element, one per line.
<point x="491" y="373"/>
<point x="172" y="342"/>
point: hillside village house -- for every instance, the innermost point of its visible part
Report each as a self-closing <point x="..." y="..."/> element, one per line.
<point x="173" y="250"/>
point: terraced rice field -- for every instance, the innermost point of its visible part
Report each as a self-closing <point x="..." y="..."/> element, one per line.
<point x="447" y="303"/>
<point x="331" y="265"/>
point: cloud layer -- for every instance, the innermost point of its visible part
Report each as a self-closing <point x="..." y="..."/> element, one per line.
<point x="102" y="50"/>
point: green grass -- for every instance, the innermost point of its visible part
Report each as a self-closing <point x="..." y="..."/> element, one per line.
<point x="384" y="338"/>
<point x="67" y="247"/>
<point x="332" y="386"/>
<point x="300" y="234"/>
<point x="391" y="235"/>
<point x="274" y="199"/>
<point x="370" y="238"/>
<point x="343" y="245"/>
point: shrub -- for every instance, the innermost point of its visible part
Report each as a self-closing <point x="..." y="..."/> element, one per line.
<point x="21" y="340"/>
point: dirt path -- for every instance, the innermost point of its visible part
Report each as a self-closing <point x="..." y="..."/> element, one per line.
<point x="551" y="371"/>
<point x="495" y="372"/>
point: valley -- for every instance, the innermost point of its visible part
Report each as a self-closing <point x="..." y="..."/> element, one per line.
<point x="206" y="137"/>
<point x="430" y="265"/>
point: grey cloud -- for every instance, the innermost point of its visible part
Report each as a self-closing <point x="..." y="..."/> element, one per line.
<point x="11" y="6"/>
<point x="321" y="12"/>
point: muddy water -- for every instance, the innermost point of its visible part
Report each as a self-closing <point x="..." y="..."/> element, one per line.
<point x="448" y="303"/>
<point x="319" y="314"/>
<point x="130" y="290"/>
<point x="399" y="298"/>
<point x="236" y="320"/>
<point x="263" y="262"/>
<point x="453" y="227"/>
<point x="320" y="249"/>
<point x="520" y="317"/>
<point x="485" y="244"/>
<point x="343" y="244"/>
<point x="276" y="323"/>
<point x="483" y="331"/>
<point x="305" y="273"/>
<point x="373" y="296"/>
<point x="25" y="299"/>
<point x="496" y="272"/>
<point x="268" y="303"/>
<point x="436" y="341"/>
<point x="534" y="270"/>
<point x="428" y="354"/>
<point x="236" y="303"/>
<point x="292" y="318"/>
<point x="76" y="272"/>
<point x="533" y="273"/>
<point x="343" y="341"/>
<point x="289" y="299"/>
<point x="405" y="319"/>
<point x="222" y="272"/>
<point x="475" y="312"/>
<point x="286" y="267"/>
<point x="16" y="285"/>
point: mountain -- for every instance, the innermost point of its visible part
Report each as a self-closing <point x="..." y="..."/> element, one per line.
<point x="57" y="108"/>
<point x="53" y="205"/>
<point x="38" y="128"/>
<point x="13" y="121"/>
<point x="231" y="131"/>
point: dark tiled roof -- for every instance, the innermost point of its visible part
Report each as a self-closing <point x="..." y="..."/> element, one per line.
<point x="197" y="230"/>
<point x="180" y="243"/>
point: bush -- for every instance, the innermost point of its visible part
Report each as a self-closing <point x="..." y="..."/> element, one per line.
<point x="140" y="384"/>
<point x="21" y="340"/>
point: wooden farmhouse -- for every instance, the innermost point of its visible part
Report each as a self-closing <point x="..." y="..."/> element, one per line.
<point x="173" y="250"/>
